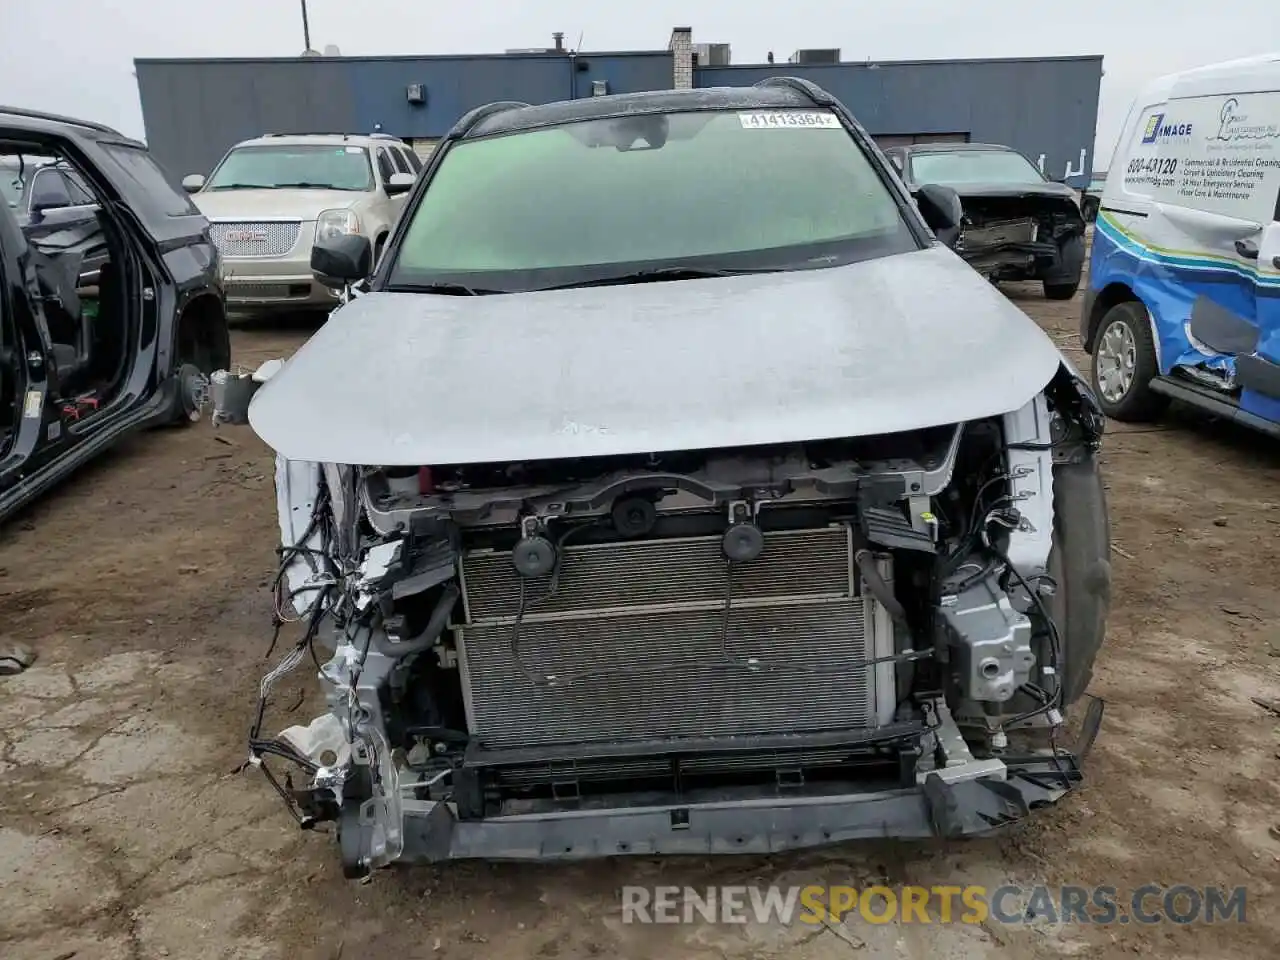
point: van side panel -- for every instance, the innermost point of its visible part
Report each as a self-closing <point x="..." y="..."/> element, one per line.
<point x="1190" y="200"/>
<point x="1121" y="256"/>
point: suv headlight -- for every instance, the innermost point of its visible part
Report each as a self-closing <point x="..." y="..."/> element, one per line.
<point x="335" y="223"/>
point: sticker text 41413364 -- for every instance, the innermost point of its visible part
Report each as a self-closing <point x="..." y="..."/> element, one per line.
<point x="789" y="120"/>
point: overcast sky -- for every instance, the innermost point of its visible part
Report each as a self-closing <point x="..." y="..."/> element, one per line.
<point x="76" y="56"/>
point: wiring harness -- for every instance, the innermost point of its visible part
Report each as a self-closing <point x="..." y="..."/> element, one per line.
<point x="325" y="586"/>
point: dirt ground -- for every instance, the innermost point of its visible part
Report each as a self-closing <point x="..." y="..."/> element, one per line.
<point x="123" y="833"/>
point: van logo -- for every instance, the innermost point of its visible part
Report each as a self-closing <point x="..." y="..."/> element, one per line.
<point x="246" y="236"/>
<point x="1153" y="128"/>
<point x="1234" y="126"/>
<point x="1157" y="129"/>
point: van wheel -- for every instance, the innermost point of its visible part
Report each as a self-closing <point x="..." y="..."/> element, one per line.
<point x="1124" y="364"/>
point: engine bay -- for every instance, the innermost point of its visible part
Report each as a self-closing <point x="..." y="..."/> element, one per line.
<point x="1014" y="237"/>
<point x="538" y="639"/>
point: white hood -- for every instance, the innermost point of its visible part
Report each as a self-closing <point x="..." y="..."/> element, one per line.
<point x="240" y="205"/>
<point x="892" y="344"/>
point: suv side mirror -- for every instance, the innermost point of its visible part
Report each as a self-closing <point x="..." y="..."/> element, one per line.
<point x="942" y="211"/>
<point x="399" y="183"/>
<point x="342" y="260"/>
<point x="193" y="182"/>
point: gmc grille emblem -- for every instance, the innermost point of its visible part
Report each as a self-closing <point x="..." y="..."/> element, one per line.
<point x="246" y="236"/>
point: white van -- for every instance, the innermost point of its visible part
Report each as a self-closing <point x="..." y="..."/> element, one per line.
<point x="1184" y="281"/>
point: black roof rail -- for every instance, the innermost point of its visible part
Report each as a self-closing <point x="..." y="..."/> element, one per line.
<point x="58" y="118"/>
<point x="474" y="116"/>
<point x="807" y="87"/>
<point x="344" y="136"/>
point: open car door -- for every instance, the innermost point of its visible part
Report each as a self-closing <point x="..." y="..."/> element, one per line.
<point x="9" y="358"/>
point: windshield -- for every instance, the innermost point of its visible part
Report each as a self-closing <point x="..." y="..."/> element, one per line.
<point x="271" y="166"/>
<point x="974" y="166"/>
<point x="599" y="198"/>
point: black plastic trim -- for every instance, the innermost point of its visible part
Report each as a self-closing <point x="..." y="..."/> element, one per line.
<point x="935" y="808"/>
<point x="1205" y="399"/>
<point x="1121" y="210"/>
<point x="478" y="756"/>
<point x="1259" y="374"/>
<point x="1217" y="327"/>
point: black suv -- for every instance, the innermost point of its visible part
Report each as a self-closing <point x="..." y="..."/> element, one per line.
<point x="1018" y="224"/>
<point x="111" y="310"/>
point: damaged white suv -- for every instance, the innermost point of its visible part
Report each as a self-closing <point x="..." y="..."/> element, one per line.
<point x="670" y="487"/>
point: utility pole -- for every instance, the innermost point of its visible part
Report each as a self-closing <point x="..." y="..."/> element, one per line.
<point x="306" y="28"/>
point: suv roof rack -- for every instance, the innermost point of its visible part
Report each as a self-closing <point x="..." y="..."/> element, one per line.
<point x="808" y="88"/>
<point x="475" y="115"/>
<point x="307" y="133"/>
<point x="58" y="118"/>
<point x="344" y="136"/>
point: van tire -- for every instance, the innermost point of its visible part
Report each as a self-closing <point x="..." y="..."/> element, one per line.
<point x="1138" y="403"/>
<point x="1061" y="291"/>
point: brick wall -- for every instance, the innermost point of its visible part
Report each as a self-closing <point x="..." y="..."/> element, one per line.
<point x="681" y="48"/>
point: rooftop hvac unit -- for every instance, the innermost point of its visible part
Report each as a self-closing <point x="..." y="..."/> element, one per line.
<point x="712" y="54"/>
<point x="816" y="56"/>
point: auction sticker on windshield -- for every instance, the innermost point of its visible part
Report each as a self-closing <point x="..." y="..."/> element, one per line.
<point x="788" y="120"/>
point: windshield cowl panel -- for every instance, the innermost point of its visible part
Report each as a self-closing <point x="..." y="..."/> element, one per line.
<point x="596" y="201"/>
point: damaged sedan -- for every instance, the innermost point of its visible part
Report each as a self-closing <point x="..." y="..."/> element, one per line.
<point x="669" y="487"/>
<point x="1017" y="224"/>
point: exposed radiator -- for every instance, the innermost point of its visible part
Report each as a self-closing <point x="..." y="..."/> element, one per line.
<point x="639" y="644"/>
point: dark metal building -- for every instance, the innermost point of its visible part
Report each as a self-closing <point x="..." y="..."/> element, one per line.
<point x="194" y="110"/>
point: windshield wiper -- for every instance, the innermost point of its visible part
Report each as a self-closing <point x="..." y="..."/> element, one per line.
<point x="301" y="185"/>
<point x="444" y="287"/>
<point x="656" y="274"/>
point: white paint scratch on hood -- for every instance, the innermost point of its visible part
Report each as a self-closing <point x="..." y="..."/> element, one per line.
<point x="894" y="344"/>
